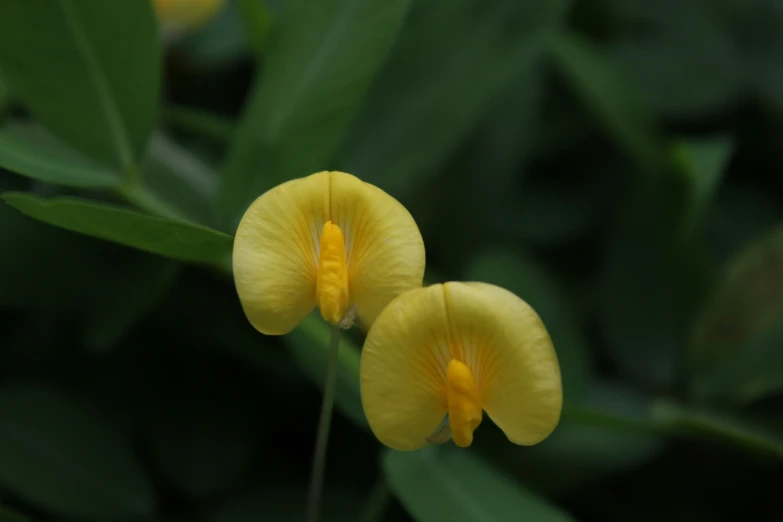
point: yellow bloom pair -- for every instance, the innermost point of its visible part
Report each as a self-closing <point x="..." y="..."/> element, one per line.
<point x="435" y="358"/>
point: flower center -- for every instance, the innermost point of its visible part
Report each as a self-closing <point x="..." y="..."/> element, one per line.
<point x="464" y="407"/>
<point x="331" y="284"/>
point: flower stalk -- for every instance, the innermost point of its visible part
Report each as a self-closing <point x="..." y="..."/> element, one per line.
<point x="324" y="426"/>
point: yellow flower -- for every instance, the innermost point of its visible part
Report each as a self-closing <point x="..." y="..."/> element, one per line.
<point x="181" y="16"/>
<point x="328" y="240"/>
<point x="437" y="357"/>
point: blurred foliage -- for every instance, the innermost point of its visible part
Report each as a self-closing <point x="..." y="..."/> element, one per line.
<point x="615" y="163"/>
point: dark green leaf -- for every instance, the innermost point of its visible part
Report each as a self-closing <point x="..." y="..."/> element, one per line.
<point x="756" y="32"/>
<point x="736" y="340"/>
<point x="200" y="122"/>
<point x="257" y="21"/>
<point x="653" y="281"/>
<point x="5" y="97"/>
<point x="222" y="41"/>
<point x="741" y="212"/>
<point x="174" y="239"/>
<point x="538" y="288"/>
<point x="202" y="442"/>
<point x="603" y="433"/>
<point x="320" y="61"/>
<point x="682" y="65"/>
<point x="505" y="138"/>
<point x="56" y="454"/>
<point x="484" y="206"/>
<point x="444" y="483"/>
<point x="133" y="290"/>
<point x="703" y="163"/>
<point x="435" y="90"/>
<point x="719" y="426"/>
<point x="180" y="179"/>
<point x="220" y="322"/>
<point x="89" y="71"/>
<point x="614" y="102"/>
<point x="309" y="344"/>
<point x="29" y="151"/>
<point x="27" y="277"/>
<point x="286" y="501"/>
<point x="6" y="515"/>
<point x="560" y="206"/>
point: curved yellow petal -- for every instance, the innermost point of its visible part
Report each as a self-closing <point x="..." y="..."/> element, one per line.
<point x="504" y="348"/>
<point x="403" y="369"/>
<point x="384" y="248"/>
<point x="279" y="252"/>
<point x="513" y="361"/>
<point x="276" y="253"/>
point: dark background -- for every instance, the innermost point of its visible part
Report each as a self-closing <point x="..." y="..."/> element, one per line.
<point x="616" y="163"/>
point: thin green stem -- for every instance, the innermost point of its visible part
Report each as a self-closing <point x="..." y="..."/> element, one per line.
<point x="324" y="425"/>
<point x="589" y="416"/>
<point x="377" y="503"/>
<point x="135" y="193"/>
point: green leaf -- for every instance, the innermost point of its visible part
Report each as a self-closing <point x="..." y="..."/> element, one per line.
<point x="703" y="163"/>
<point x="654" y="279"/>
<point x="200" y="122"/>
<point x="539" y="289"/>
<point x="27" y="278"/>
<point x="88" y="71"/>
<point x="741" y="212"/>
<point x="5" y="97"/>
<point x="603" y="433"/>
<point x="609" y="95"/>
<point x="285" y="500"/>
<point x="319" y="62"/>
<point x="736" y="339"/>
<point x="174" y="239"/>
<point x="555" y="208"/>
<point x="445" y="483"/>
<point x="505" y="137"/>
<point x="29" y="151"/>
<point x="202" y="441"/>
<point x="6" y="515"/>
<point x="755" y="31"/>
<point x="309" y="344"/>
<point x="435" y="90"/>
<point x="223" y="41"/>
<point x="179" y="179"/>
<point x="684" y="63"/>
<point x="221" y="323"/>
<point x="719" y="426"/>
<point x="55" y="453"/>
<point x="127" y="297"/>
<point x="257" y="21"/>
<point x="484" y="206"/>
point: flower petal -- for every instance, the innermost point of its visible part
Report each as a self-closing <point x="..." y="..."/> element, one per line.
<point x="384" y="248"/>
<point x="512" y="358"/>
<point x="403" y="369"/>
<point x="276" y="253"/>
<point x="497" y="335"/>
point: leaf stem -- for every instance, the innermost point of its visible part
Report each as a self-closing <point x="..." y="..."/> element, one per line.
<point x="324" y="425"/>
<point x="135" y="193"/>
<point x="672" y="420"/>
